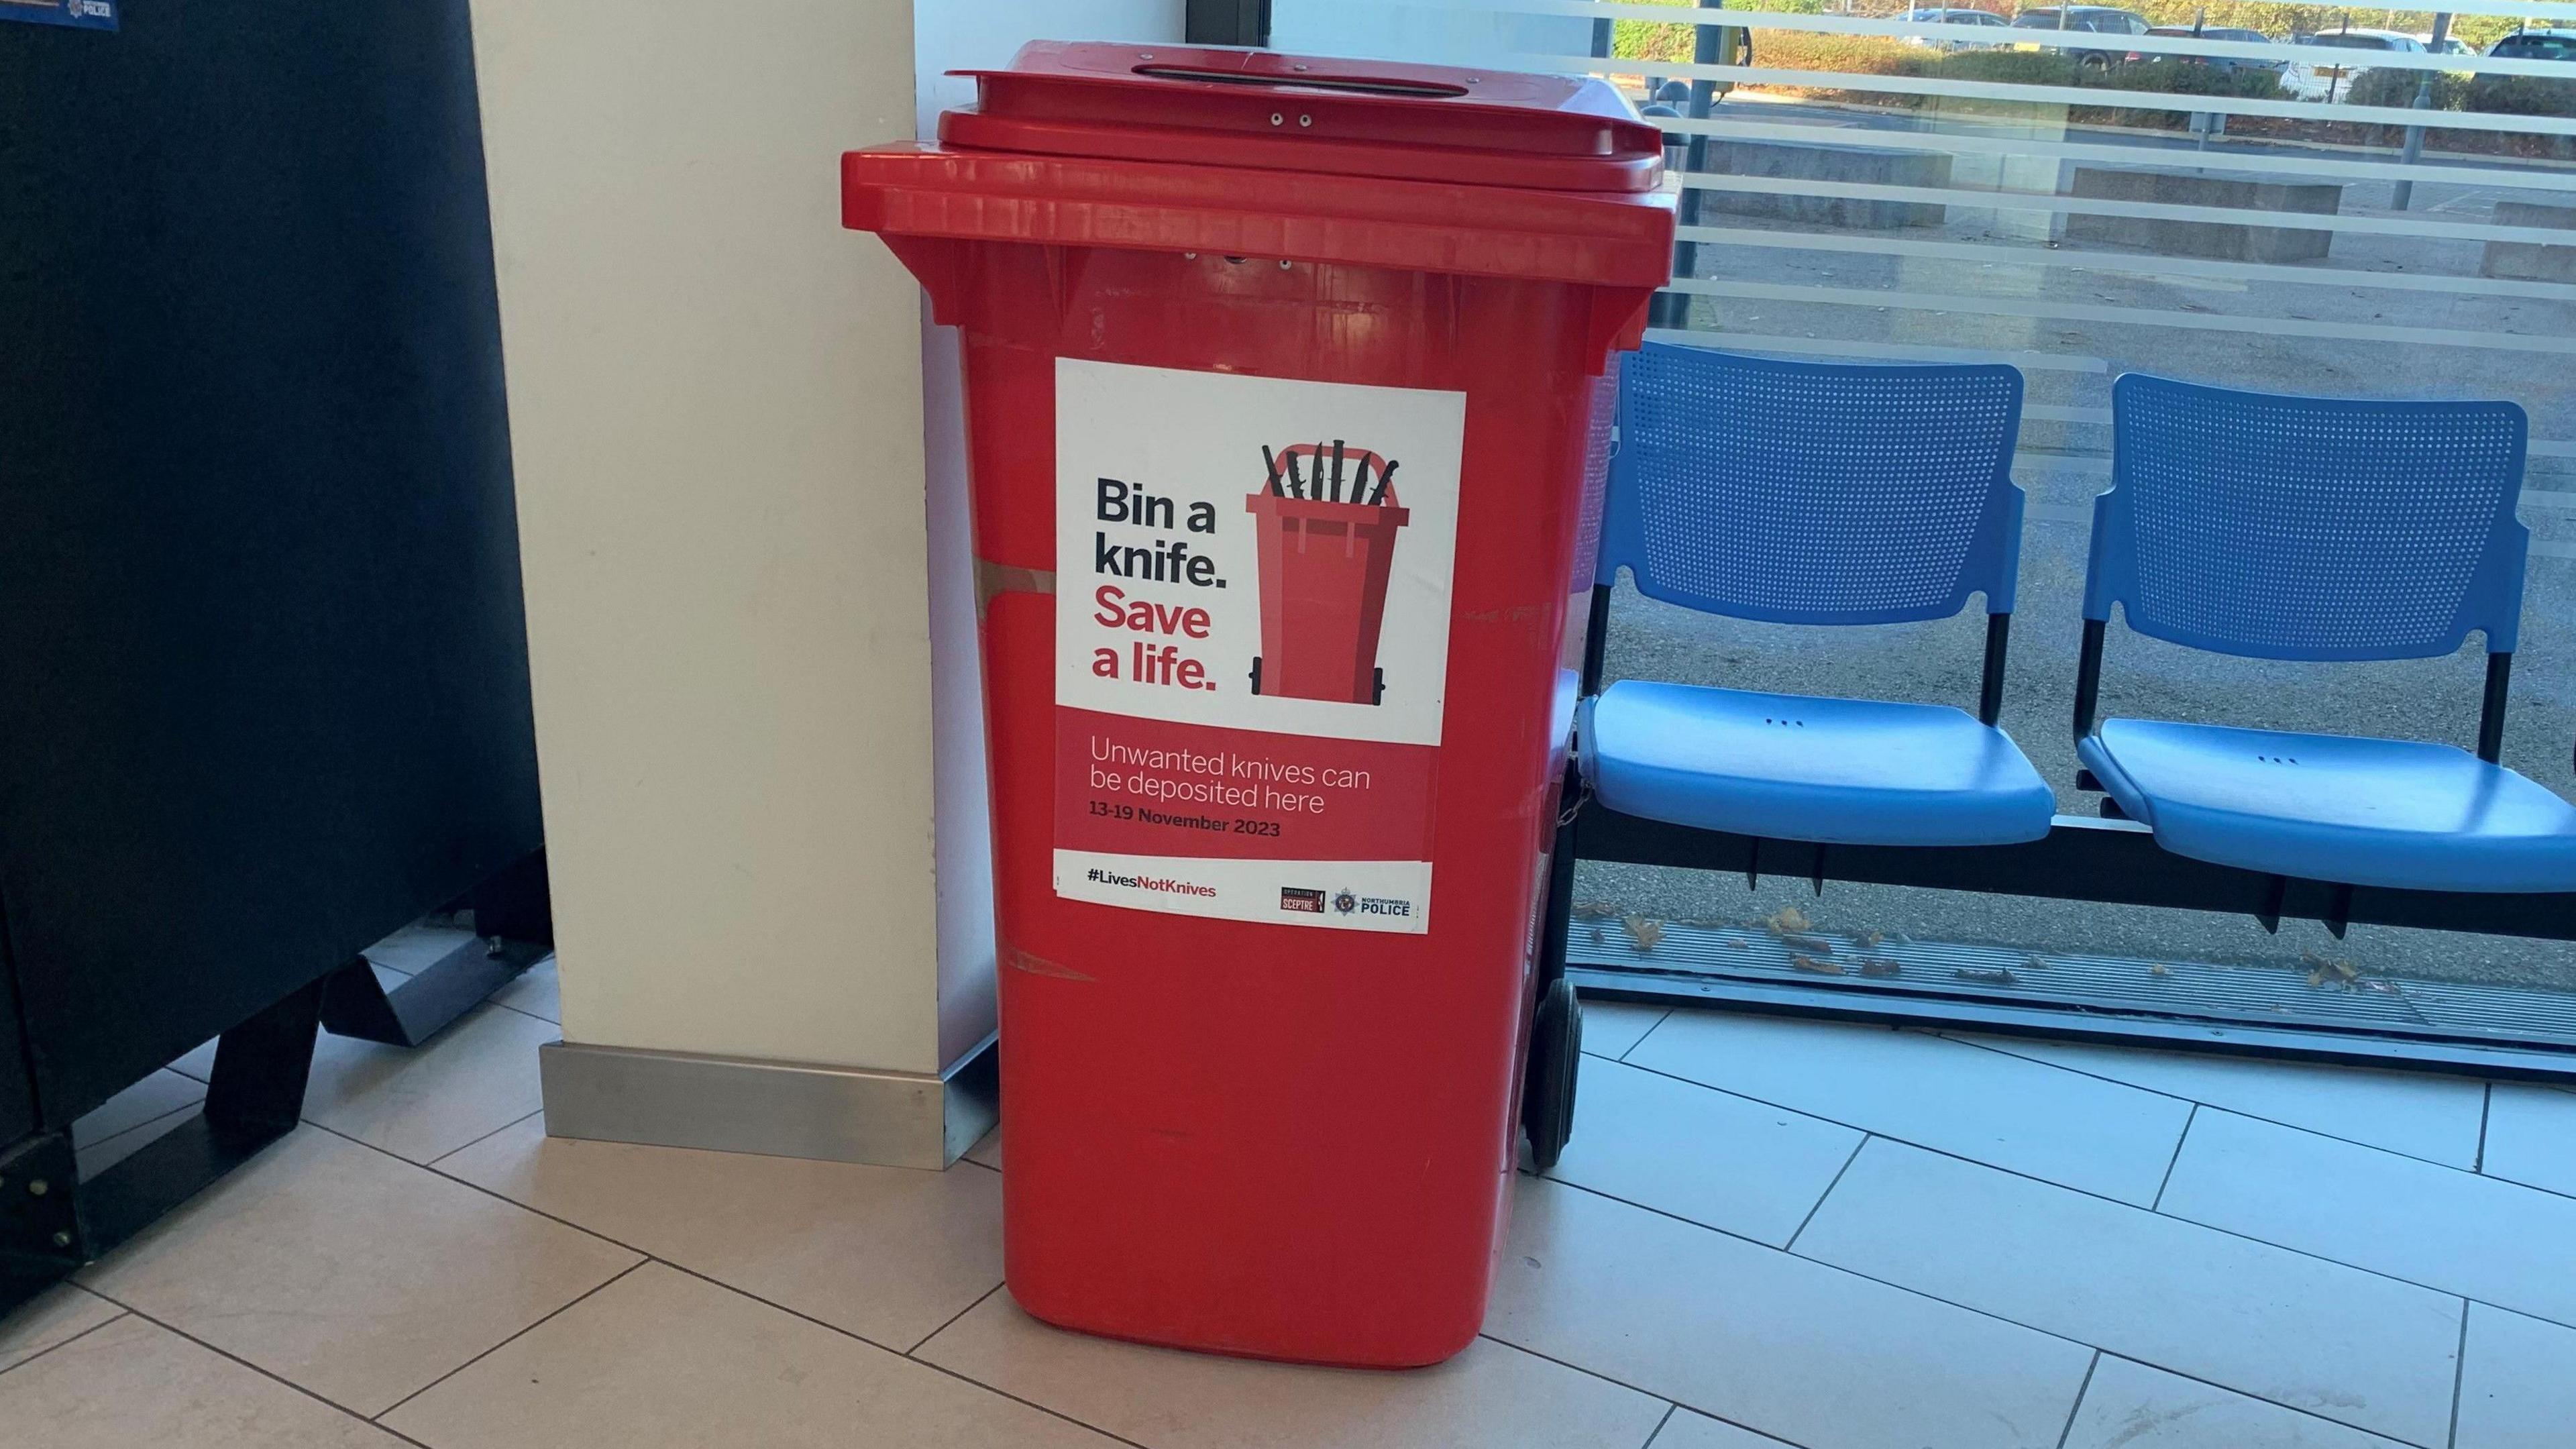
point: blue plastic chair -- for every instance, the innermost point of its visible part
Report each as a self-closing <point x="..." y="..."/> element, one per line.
<point x="1814" y="493"/>
<point x="2301" y="528"/>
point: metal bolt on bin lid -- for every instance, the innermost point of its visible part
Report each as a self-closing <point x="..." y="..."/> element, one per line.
<point x="1219" y="107"/>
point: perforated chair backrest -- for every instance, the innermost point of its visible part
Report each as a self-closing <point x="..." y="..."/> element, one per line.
<point x="1599" y="434"/>
<point x="2279" y="527"/>
<point x="1814" y="493"/>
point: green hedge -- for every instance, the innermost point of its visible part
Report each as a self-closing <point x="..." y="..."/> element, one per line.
<point x="2521" y="95"/>
<point x="1656" y="40"/>
<point x="2502" y="95"/>
<point x="2398" y="87"/>
<point x="1870" y="55"/>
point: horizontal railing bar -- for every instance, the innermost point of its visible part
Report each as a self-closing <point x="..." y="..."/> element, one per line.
<point x="2081" y="516"/>
<point x="2007" y="37"/>
<point x="1883" y="351"/>
<point x="2541" y="176"/>
<point x="2000" y="254"/>
<point x="2536" y="12"/>
<point x="2553" y="500"/>
<point x="2547" y="501"/>
<point x="2105" y="97"/>
<point x="2560" y="346"/>
<point x="2011" y="200"/>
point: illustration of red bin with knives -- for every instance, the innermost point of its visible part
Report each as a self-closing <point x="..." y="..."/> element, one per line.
<point x="1326" y="547"/>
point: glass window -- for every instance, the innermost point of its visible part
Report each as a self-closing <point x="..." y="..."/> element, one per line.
<point x="1880" y="202"/>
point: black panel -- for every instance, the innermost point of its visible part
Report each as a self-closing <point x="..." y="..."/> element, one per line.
<point x="17" y="1084"/>
<point x="263" y="675"/>
<point x="1225" y="22"/>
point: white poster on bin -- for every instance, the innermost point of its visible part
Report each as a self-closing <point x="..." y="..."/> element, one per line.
<point x="1252" y="642"/>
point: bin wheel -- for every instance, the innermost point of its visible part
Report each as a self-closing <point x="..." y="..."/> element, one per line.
<point x="1377" y="691"/>
<point x="1256" y="674"/>
<point x="1547" y="1092"/>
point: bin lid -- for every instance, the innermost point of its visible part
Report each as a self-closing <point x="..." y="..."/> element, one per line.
<point x="1268" y="111"/>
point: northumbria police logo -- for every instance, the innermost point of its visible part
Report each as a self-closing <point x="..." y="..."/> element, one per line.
<point x="1346" y="903"/>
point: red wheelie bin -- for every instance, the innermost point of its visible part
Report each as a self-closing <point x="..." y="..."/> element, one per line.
<point x="1278" y="374"/>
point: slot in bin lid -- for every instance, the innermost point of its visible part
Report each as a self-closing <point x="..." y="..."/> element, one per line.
<point x="1268" y="111"/>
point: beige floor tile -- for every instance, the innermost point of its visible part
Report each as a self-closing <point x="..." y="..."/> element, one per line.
<point x="1491" y="1394"/>
<point x="60" y="1313"/>
<point x="2416" y="1113"/>
<point x="1610" y="1028"/>
<point x="199" y="1064"/>
<point x="2480" y="1237"/>
<point x="133" y="1384"/>
<point x="1728" y="1162"/>
<point x="2335" y="1341"/>
<point x="421" y="1103"/>
<point x="2531" y="1137"/>
<point x="2517" y="1383"/>
<point x="2005" y="1111"/>
<point x="538" y="991"/>
<point x="888" y="1253"/>
<point x="2131" y="1406"/>
<point x="134" y="1119"/>
<point x="97" y="1157"/>
<point x="354" y="1275"/>
<point x="157" y="1095"/>
<point x="659" y="1358"/>
<point x="1686" y="1430"/>
<point x="413" y="947"/>
<point x="987" y="1150"/>
<point x="1819" y="1357"/>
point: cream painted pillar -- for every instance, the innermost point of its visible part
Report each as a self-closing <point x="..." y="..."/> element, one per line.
<point x="963" y="35"/>
<point x="716" y="421"/>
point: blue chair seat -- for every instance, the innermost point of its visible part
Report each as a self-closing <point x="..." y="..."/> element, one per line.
<point x="1796" y="767"/>
<point x="2397" y="813"/>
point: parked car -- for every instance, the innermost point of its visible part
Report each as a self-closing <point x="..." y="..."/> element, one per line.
<point x="2311" y="81"/>
<point x="1953" y="15"/>
<point x="2451" y="45"/>
<point x="2529" y="94"/>
<point x="2551" y="44"/>
<point x="2226" y="63"/>
<point x="2089" y="19"/>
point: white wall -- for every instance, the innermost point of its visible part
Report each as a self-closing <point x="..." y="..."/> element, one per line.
<point x="743" y="520"/>
<point x="955" y="36"/>
<point x="983" y="34"/>
<point x="716" y="422"/>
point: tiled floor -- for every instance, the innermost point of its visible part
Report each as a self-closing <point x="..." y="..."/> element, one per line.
<point x="1766" y="1232"/>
